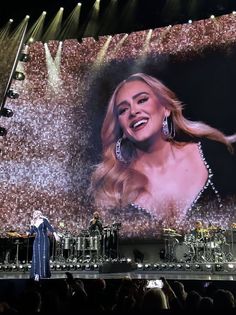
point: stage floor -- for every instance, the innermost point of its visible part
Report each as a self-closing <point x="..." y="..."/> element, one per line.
<point x="137" y="274"/>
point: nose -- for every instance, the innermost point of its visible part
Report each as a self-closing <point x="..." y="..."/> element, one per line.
<point x="134" y="110"/>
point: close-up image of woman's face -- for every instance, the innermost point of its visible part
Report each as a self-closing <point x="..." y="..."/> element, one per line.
<point x="140" y="114"/>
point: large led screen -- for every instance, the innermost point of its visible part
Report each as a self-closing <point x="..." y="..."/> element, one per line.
<point x="54" y="144"/>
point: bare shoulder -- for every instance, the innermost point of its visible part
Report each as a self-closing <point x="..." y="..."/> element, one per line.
<point x="192" y="147"/>
<point x="188" y="149"/>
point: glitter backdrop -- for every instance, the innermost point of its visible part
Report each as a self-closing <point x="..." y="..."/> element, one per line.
<point x="53" y="139"/>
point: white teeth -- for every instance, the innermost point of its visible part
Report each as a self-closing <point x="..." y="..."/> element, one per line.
<point x="140" y="122"/>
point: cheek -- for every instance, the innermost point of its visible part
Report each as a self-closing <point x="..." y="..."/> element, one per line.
<point x="159" y="113"/>
<point x="122" y="122"/>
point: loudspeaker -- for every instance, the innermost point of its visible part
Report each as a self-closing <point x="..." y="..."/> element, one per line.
<point x="117" y="266"/>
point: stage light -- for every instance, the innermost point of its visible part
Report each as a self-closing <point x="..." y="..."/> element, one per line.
<point x="179" y="266"/>
<point x="196" y="267"/>
<point x="31" y="40"/>
<point x="219" y="267"/>
<point x="18" y="76"/>
<point x="147" y="266"/>
<point x="94" y="267"/>
<point x="12" y="94"/>
<point x="78" y="267"/>
<point x="71" y="267"/>
<point x="3" y="131"/>
<point x="58" y="267"/>
<point x="230" y="267"/>
<point x="155" y="266"/>
<point x="87" y="266"/>
<point x="163" y="266"/>
<point x="208" y="266"/>
<point x="187" y="267"/>
<point x="24" y="57"/>
<point x="63" y="267"/>
<point x="140" y="266"/>
<point x="7" y="268"/>
<point x="6" y="112"/>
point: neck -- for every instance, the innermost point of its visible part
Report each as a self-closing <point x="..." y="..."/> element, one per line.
<point x="158" y="154"/>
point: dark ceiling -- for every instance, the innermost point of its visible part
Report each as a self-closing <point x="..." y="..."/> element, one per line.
<point x="131" y="15"/>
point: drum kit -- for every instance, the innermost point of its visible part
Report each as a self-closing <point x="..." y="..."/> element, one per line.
<point x="203" y="245"/>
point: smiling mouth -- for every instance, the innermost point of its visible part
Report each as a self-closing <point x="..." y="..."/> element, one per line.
<point x="138" y="124"/>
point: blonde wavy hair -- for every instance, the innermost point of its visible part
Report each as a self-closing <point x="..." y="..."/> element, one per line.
<point x="116" y="184"/>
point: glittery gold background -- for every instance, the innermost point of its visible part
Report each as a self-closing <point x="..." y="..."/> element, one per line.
<point x="53" y="138"/>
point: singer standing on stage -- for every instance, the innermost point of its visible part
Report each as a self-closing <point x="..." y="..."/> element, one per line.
<point x="40" y="226"/>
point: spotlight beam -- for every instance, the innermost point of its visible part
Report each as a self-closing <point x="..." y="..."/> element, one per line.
<point x="55" y="26"/>
<point x="71" y="25"/>
<point x="36" y="31"/>
<point x="107" y="26"/>
<point x="91" y="26"/>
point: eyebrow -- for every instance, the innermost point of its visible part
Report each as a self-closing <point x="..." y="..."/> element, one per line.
<point x="133" y="97"/>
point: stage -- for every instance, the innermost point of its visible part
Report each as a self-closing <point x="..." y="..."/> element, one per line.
<point x="137" y="260"/>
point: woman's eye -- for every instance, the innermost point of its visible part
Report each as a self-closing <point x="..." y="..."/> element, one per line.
<point x="121" y="110"/>
<point x="142" y="100"/>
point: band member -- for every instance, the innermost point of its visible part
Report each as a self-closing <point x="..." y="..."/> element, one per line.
<point x="95" y="224"/>
<point x="198" y="232"/>
<point x="96" y="231"/>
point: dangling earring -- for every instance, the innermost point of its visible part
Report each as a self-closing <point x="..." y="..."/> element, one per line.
<point x="165" y="128"/>
<point x="168" y="128"/>
<point x="118" y="153"/>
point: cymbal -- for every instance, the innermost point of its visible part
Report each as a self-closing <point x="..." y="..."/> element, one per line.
<point x="213" y="227"/>
<point x="172" y="235"/>
<point x="202" y="230"/>
<point x="169" y="230"/>
<point x="13" y="234"/>
<point x="176" y="235"/>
